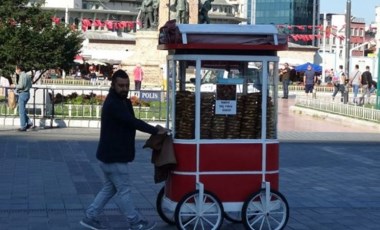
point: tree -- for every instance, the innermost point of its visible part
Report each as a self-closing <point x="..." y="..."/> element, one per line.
<point x="28" y="36"/>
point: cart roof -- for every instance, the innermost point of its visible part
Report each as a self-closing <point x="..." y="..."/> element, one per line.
<point x="221" y="37"/>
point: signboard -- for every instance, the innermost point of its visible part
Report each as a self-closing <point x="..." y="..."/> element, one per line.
<point x="147" y="95"/>
<point x="225" y="99"/>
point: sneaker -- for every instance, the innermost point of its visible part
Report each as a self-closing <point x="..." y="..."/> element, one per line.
<point x="28" y="126"/>
<point x="142" y="225"/>
<point x="92" y="224"/>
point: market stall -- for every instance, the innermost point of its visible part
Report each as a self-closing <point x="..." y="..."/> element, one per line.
<point x="225" y="139"/>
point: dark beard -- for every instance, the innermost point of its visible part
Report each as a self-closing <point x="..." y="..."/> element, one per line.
<point x="123" y="94"/>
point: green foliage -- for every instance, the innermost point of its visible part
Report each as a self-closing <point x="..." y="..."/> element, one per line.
<point x="29" y="37"/>
<point x="75" y="99"/>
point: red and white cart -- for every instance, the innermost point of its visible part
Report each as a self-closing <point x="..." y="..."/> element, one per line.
<point x="225" y="131"/>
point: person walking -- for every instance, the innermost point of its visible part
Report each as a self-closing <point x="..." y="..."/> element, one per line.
<point x="339" y="83"/>
<point x="366" y="82"/>
<point x="309" y="79"/>
<point x="285" y="78"/>
<point x="22" y="89"/>
<point x="138" y="74"/>
<point x="92" y="75"/>
<point x="116" y="149"/>
<point x="354" y="82"/>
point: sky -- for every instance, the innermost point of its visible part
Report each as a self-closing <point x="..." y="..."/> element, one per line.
<point x="359" y="8"/>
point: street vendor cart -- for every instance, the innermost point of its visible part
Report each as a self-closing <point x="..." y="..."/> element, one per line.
<point x="222" y="110"/>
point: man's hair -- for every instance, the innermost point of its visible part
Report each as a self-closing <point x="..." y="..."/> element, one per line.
<point x="119" y="74"/>
<point x="367" y="67"/>
<point x="356" y="66"/>
<point x="340" y="66"/>
<point x="20" y="67"/>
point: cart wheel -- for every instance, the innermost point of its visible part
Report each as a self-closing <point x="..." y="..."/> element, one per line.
<point x="165" y="213"/>
<point x="234" y="217"/>
<point x="258" y="215"/>
<point x="192" y="214"/>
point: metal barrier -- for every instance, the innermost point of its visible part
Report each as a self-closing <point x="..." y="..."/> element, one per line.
<point x="83" y="103"/>
<point x="326" y="105"/>
<point x="48" y="102"/>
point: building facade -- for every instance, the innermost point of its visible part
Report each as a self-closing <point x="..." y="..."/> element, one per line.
<point x="296" y="17"/>
<point x="291" y="12"/>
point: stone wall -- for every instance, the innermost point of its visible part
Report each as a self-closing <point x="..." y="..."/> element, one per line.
<point x="150" y="58"/>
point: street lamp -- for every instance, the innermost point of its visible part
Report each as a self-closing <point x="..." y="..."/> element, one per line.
<point x="348" y="36"/>
<point x="67" y="13"/>
<point x="324" y="48"/>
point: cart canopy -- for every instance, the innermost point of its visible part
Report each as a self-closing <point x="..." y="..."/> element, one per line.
<point x="220" y="36"/>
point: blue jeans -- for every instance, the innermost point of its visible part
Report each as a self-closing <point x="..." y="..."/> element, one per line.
<point x="116" y="184"/>
<point x="355" y="89"/>
<point x="285" y="87"/>
<point x="23" y="99"/>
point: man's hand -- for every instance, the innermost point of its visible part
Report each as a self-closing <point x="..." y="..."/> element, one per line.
<point x="162" y="130"/>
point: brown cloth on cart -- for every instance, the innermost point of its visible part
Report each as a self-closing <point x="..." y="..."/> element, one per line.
<point x="163" y="156"/>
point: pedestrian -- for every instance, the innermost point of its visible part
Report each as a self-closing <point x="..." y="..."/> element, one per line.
<point x="92" y="75"/>
<point x="138" y="74"/>
<point x="354" y="82"/>
<point x="330" y="76"/>
<point x="116" y="149"/>
<point x="309" y="79"/>
<point x="366" y="82"/>
<point x="22" y="89"/>
<point x="373" y="86"/>
<point x="339" y="82"/>
<point x="5" y="83"/>
<point x="285" y="78"/>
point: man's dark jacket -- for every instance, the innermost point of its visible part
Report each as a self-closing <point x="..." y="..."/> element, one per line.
<point x="118" y="130"/>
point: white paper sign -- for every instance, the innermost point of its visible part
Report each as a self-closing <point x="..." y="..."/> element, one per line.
<point x="225" y="99"/>
<point x="225" y="107"/>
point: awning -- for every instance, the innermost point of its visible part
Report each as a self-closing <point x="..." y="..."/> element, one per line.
<point x="106" y="53"/>
<point x="95" y="62"/>
<point x="78" y="59"/>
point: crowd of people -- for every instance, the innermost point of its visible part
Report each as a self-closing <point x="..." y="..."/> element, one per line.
<point x="340" y="80"/>
<point x="355" y="80"/>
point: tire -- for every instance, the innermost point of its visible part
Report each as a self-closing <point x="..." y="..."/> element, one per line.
<point x="165" y="214"/>
<point x="234" y="217"/>
<point x="257" y="215"/>
<point x="194" y="215"/>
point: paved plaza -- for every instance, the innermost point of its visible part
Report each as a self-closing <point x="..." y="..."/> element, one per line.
<point x="328" y="174"/>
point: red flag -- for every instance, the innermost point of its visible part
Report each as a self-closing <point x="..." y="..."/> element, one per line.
<point x="328" y="31"/>
<point x="109" y="24"/>
<point x="98" y="23"/>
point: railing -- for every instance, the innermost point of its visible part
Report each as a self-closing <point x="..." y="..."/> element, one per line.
<point x="61" y="103"/>
<point x="321" y="89"/>
<point x="47" y="102"/>
<point x="326" y="105"/>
